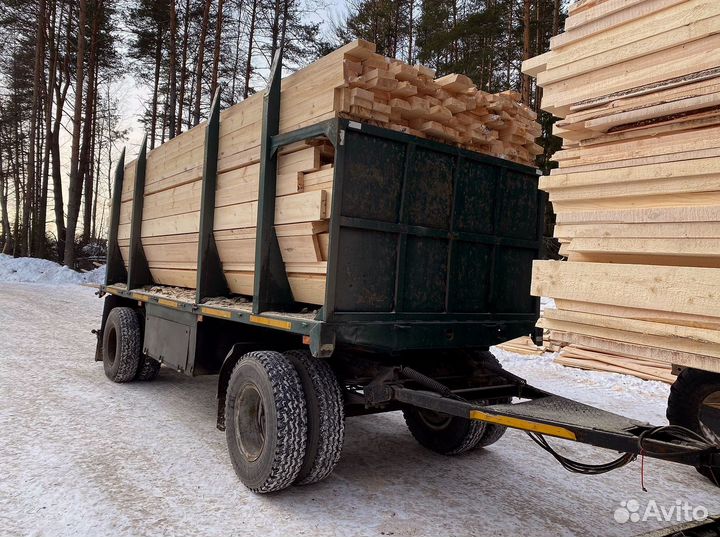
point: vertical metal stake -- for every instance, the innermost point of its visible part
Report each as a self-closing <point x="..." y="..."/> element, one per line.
<point x="138" y="271"/>
<point x="115" y="271"/>
<point x="210" y="276"/>
<point x="271" y="289"/>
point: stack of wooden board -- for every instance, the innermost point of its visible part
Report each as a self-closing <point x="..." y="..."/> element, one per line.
<point x="352" y="82"/>
<point x="522" y="345"/>
<point x="582" y="358"/>
<point x="636" y="84"/>
<point x="451" y="109"/>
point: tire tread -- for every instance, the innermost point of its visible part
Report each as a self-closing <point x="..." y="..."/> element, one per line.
<point x="291" y="414"/>
<point x="331" y="414"/>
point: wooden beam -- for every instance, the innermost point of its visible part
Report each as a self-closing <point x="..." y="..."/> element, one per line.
<point x="673" y="289"/>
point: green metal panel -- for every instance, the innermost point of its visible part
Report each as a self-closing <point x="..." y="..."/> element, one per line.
<point x="170" y="336"/>
<point x="115" y="271"/>
<point x="423" y="232"/>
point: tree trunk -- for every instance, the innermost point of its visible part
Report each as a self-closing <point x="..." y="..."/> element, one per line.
<point x="236" y="59"/>
<point x="216" y="52"/>
<point x="75" y="185"/>
<point x="526" y="51"/>
<point x="90" y="179"/>
<point x="156" y="84"/>
<point x="48" y="109"/>
<point x="86" y="167"/>
<point x="275" y="30"/>
<point x="4" y="219"/>
<point x="172" y="71"/>
<point x="38" y="71"/>
<point x="508" y="66"/>
<point x="58" y="204"/>
<point x="200" y="61"/>
<point x="411" y="30"/>
<point x="60" y="98"/>
<point x="251" y="37"/>
<point x="283" y="27"/>
<point x="183" y="67"/>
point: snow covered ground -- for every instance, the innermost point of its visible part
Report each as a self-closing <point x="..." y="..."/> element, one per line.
<point x="29" y="269"/>
<point x="80" y="455"/>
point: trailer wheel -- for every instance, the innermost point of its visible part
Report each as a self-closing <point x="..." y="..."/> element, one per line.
<point x="148" y="368"/>
<point x="122" y="345"/>
<point x="442" y="433"/>
<point x="326" y="416"/>
<point x="266" y="421"/>
<point x="450" y="435"/>
<point x="493" y="432"/>
<point x="694" y="403"/>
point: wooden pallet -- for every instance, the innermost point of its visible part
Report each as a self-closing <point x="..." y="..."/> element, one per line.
<point x="636" y="84"/>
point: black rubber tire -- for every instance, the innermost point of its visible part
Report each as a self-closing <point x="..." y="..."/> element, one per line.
<point x="265" y="400"/>
<point x="326" y="416"/>
<point x="122" y="345"/>
<point x="493" y="432"/>
<point x="690" y="389"/>
<point x="449" y="435"/>
<point x="148" y="369"/>
<point x="453" y="435"/>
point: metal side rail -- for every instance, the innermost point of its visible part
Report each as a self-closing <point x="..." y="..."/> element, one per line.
<point x="542" y="413"/>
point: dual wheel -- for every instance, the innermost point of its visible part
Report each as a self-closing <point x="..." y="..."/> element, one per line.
<point x="123" y="359"/>
<point x="284" y="420"/>
<point x="451" y="435"/>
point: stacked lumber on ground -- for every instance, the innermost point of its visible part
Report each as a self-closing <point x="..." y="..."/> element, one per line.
<point x="352" y="82"/>
<point x="522" y="345"/>
<point x="636" y="84"/>
<point x="577" y="356"/>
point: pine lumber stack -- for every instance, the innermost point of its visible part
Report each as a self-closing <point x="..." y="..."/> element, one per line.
<point x="352" y="82"/>
<point x="581" y="358"/>
<point x="636" y="84"/>
<point x="522" y="345"/>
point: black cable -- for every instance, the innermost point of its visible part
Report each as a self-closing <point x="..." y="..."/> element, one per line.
<point x="581" y="467"/>
<point x="675" y="432"/>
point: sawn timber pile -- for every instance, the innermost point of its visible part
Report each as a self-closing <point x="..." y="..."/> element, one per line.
<point x="353" y="82"/>
<point x="636" y="84"/>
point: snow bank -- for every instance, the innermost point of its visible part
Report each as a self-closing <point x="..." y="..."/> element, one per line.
<point x="30" y="269"/>
<point x="547" y="303"/>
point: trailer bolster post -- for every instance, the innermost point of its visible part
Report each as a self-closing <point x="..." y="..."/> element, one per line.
<point x="115" y="271"/>
<point x="210" y="276"/>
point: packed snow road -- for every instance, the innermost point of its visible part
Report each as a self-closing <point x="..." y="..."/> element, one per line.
<point x="80" y="455"/>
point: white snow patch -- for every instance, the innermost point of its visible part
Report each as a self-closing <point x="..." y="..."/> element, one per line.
<point x="615" y="382"/>
<point x="33" y="270"/>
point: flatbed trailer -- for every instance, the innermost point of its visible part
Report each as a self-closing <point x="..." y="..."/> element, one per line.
<point x="430" y="257"/>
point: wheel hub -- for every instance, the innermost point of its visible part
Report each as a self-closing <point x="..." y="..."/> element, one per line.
<point x="112" y="346"/>
<point x="434" y="420"/>
<point x="709" y="417"/>
<point x="250" y="423"/>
